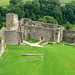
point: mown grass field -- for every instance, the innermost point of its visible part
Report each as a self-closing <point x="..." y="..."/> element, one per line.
<point x="58" y="60"/>
<point x="4" y="3"/>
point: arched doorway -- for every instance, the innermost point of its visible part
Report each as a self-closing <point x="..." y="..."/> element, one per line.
<point x="41" y="39"/>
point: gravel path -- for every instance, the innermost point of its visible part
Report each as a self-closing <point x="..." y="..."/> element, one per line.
<point x="33" y="44"/>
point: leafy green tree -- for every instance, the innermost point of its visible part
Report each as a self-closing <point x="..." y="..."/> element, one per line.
<point x="41" y="10"/>
<point x="27" y="15"/>
<point x="48" y="19"/>
<point x="58" y="16"/>
<point x="14" y="1"/>
<point x="2" y="24"/>
<point x="21" y="5"/>
<point x="68" y="25"/>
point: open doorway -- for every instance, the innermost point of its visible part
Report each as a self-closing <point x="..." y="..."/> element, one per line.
<point x="41" y="39"/>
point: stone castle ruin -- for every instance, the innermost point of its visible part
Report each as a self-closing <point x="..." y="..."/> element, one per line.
<point x="16" y="31"/>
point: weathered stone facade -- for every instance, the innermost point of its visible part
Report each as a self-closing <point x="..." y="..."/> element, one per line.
<point x="12" y="19"/>
<point x="2" y="41"/>
<point x="41" y="31"/>
<point x="69" y="36"/>
<point x="25" y="29"/>
<point x="12" y="38"/>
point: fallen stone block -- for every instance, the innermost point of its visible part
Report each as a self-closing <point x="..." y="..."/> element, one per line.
<point x="30" y="60"/>
<point x="30" y="54"/>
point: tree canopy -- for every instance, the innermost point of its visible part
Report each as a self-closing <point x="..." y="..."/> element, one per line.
<point x="48" y="19"/>
<point x="48" y="11"/>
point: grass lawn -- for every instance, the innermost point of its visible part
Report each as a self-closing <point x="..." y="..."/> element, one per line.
<point x="41" y="43"/>
<point x="32" y="40"/>
<point x="50" y="41"/>
<point x="65" y="42"/>
<point x="58" y="60"/>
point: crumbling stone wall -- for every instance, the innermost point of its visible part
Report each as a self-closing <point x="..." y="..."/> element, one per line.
<point x="41" y="31"/>
<point x="13" y="35"/>
<point x="12" y="38"/>
<point x="25" y="28"/>
<point x="2" y="41"/>
<point x="42" y="34"/>
<point x="35" y="30"/>
<point x="69" y="36"/>
<point x="12" y="19"/>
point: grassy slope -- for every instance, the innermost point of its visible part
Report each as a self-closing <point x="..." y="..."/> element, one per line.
<point x="67" y="0"/>
<point x="58" y="60"/>
<point x="4" y="3"/>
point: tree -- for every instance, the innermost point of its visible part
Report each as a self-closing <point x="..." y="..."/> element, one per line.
<point x="48" y="19"/>
<point x="58" y="16"/>
<point x="2" y="24"/>
<point x="68" y="25"/>
<point x="14" y="2"/>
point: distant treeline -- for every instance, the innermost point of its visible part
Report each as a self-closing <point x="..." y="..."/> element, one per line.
<point x="48" y="11"/>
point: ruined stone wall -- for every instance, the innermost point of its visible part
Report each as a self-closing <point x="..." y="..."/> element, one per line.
<point x="2" y="41"/>
<point x="12" y="19"/>
<point x="12" y="38"/>
<point x="69" y="35"/>
<point x="43" y="34"/>
<point x="48" y="25"/>
<point x="39" y="34"/>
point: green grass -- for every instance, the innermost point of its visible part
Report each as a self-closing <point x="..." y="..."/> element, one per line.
<point x="12" y="25"/>
<point x="4" y="3"/>
<point x="58" y="60"/>
<point x="51" y="41"/>
<point x="73" y="27"/>
<point x="65" y="42"/>
<point x="32" y="41"/>
<point x="24" y="43"/>
<point x="41" y="43"/>
<point x="67" y="1"/>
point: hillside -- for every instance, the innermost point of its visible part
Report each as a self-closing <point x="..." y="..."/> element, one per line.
<point x="67" y="0"/>
<point x="4" y="3"/>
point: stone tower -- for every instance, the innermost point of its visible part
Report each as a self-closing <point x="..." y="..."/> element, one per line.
<point x="11" y="19"/>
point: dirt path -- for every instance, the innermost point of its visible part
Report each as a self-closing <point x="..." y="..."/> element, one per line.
<point x="33" y="44"/>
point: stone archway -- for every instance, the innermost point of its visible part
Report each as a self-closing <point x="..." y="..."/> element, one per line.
<point x="41" y="38"/>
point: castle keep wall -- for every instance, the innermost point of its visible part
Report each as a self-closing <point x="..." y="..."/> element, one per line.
<point x="12" y="38"/>
<point x="12" y="19"/>
<point x="2" y="41"/>
<point x="69" y="36"/>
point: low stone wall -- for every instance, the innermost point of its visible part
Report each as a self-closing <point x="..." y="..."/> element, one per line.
<point x="2" y="41"/>
<point x="69" y="35"/>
